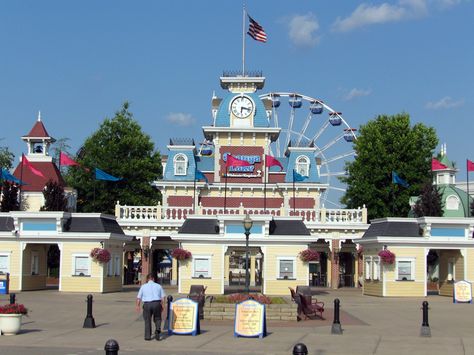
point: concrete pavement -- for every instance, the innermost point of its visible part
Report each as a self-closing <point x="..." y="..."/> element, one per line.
<point x="371" y="326"/>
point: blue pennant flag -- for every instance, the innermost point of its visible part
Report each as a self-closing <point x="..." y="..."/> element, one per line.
<point x="398" y="180"/>
<point x="102" y="175"/>
<point x="9" y="177"/>
<point x="199" y="175"/>
<point x="298" y="177"/>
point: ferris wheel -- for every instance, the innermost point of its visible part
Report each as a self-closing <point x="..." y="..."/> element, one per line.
<point x="307" y="121"/>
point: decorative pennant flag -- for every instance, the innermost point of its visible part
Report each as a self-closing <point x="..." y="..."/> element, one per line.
<point x="231" y="161"/>
<point x="470" y="165"/>
<point x="65" y="160"/>
<point x="25" y="162"/>
<point x="9" y="177"/>
<point x="298" y="177"/>
<point x="199" y="175"/>
<point x="437" y="165"/>
<point x="398" y="180"/>
<point x="256" y="31"/>
<point x="271" y="161"/>
<point x="102" y="175"/>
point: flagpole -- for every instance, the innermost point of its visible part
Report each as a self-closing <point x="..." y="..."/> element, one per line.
<point x="225" y="190"/>
<point x="467" y="174"/>
<point x="194" y="194"/>
<point x="243" y="40"/>
<point x="294" y="197"/>
<point x="59" y="165"/>
<point x="265" y="189"/>
<point x="21" y="179"/>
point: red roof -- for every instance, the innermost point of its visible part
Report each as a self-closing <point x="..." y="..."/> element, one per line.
<point x="34" y="182"/>
<point x="38" y="130"/>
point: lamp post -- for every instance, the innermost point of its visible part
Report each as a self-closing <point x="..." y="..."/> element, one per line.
<point x="247" y="226"/>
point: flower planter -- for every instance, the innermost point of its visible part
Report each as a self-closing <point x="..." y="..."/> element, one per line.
<point x="10" y="324"/>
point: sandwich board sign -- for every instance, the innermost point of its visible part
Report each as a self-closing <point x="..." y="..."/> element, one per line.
<point x="462" y="292"/>
<point x="250" y="320"/>
<point x="184" y="317"/>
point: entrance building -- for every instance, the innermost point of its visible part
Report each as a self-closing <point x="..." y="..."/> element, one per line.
<point x="209" y="188"/>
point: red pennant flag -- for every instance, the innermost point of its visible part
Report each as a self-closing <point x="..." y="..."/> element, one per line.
<point x="28" y="165"/>
<point x="470" y="165"/>
<point x="65" y="160"/>
<point x="231" y="161"/>
<point x="271" y="161"/>
<point x="437" y="165"/>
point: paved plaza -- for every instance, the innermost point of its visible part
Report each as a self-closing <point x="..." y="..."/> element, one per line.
<point x="370" y="326"/>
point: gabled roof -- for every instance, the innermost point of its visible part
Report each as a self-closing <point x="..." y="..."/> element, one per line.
<point x="34" y="182"/>
<point x="38" y="130"/>
<point x="393" y="229"/>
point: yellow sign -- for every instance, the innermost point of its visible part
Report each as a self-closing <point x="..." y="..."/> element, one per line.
<point x="462" y="292"/>
<point x="184" y="316"/>
<point x="250" y="319"/>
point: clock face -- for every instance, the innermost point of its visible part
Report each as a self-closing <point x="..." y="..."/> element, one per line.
<point x="241" y="107"/>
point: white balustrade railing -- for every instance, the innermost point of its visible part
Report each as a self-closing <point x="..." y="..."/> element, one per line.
<point x="166" y="213"/>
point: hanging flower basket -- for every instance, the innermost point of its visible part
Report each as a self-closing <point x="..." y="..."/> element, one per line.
<point x="100" y="255"/>
<point x="387" y="256"/>
<point x="308" y="255"/>
<point x="181" y="254"/>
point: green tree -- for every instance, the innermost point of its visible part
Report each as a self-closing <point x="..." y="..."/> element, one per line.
<point x="472" y="208"/>
<point x="9" y="197"/>
<point x="6" y="158"/>
<point x="61" y="145"/>
<point x="120" y="148"/>
<point x="386" y="144"/>
<point x="430" y="202"/>
<point x="54" y="197"/>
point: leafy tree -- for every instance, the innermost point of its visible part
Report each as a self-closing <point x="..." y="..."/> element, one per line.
<point x="6" y="158"/>
<point x="472" y="208"/>
<point x="430" y="203"/>
<point x="386" y="144"/>
<point x="120" y="148"/>
<point x="54" y="197"/>
<point x="9" y="197"/>
<point x="61" y="145"/>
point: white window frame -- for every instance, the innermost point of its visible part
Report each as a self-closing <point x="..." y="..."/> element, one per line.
<point x="412" y="270"/>
<point x="286" y="258"/>
<point x="302" y="165"/>
<point x="368" y="268"/>
<point x="34" y="263"/>
<point x="7" y="255"/>
<point x="73" y="271"/>
<point x="110" y="267"/>
<point x="200" y="257"/>
<point x="180" y="159"/>
<point x="451" y="267"/>
<point x="376" y="268"/>
<point x="118" y="265"/>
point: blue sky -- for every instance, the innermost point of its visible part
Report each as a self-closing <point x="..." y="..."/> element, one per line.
<point x="78" y="61"/>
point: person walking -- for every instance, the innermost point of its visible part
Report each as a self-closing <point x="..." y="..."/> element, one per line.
<point x="152" y="295"/>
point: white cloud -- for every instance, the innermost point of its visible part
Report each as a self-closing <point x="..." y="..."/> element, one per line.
<point x="303" y="30"/>
<point x="365" y="15"/>
<point x="445" y="4"/>
<point x="180" y="119"/>
<point x="444" y="103"/>
<point x="354" y="93"/>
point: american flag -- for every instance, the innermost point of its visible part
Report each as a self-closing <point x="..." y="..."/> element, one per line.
<point x="256" y="31"/>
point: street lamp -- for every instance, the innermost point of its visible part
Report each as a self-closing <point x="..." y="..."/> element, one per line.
<point x="247" y="226"/>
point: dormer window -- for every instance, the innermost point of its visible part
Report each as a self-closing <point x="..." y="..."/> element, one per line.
<point x="180" y="164"/>
<point x="452" y="203"/>
<point x="302" y="165"/>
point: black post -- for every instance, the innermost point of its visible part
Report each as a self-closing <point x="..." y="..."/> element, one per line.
<point x="89" y="322"/>
<point x="300" y="349"/>
<point x="425" y="327"/>
<point x="247" y="275"/>
<point x="111" y="347"/>
<point x="12" y="298"/>
<point x="336" y="325"/>
<point x="167" y="323"/>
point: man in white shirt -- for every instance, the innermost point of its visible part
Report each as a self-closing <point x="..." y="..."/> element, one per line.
<point x="152" y="296"/>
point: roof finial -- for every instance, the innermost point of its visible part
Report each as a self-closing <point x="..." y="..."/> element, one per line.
<point x="445" y="149"/>
<point x="39" y="116"/>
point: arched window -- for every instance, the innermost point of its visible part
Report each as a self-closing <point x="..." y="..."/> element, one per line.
<point x="452" y="202"/>
<point x="180" y="164"/>
<point x="302" y="165"/>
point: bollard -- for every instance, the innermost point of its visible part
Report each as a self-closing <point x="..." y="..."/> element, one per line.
<point x="167" y="322"/>
<point x="12" y="298"/>
<point x="89" y="322"/>
<point x="336" y="324"/>
<point x="425" y="327"/>
<point x="300" y="349"/>
<point x="111" y="347"/>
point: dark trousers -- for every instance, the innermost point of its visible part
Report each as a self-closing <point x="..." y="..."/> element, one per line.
<point x="152" y="309"/>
